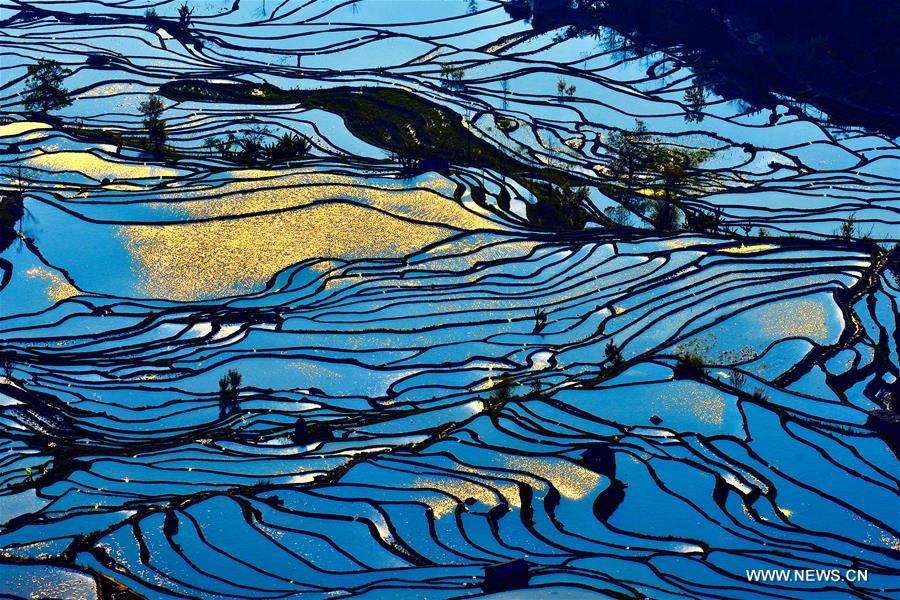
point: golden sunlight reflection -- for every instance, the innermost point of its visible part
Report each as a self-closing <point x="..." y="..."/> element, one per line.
<point x="805" y="318"/>
<point x="57" y="288"/>
<point x="96" y="167"/>
<point x="218" y="258"/>
<point x="267" y="223"/>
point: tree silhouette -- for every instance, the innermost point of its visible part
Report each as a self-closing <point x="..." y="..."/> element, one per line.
<point x="631" y="154"/>
<point x="251" y="145"/>
<point x="152" y="109"/>
<point x="674" y="169"/>
<point x="571" y="204"/>
<point x="847" y="229"/>
<point x="288" y="146"/>
<point x="43" y="87"/>
<point x="612" y="352"/>
<point x="229" y="390"/>
<point x="564" y="89"/>
<point x="695" y="98"/>
<point x="501" y="392"/>
<point x="184" y="15"/>
<point x="452" y="76"/>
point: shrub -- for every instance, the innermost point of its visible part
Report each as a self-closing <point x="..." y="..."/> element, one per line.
<point x="758" y="395"/>
<point x="564" y="89"/>
<point x="152" y="19"/>
<point x="613" y="354"/>
<point x="501" y="393"/>
<point x="571" y="205"/>
<point x="288" y="146"/>
<point x="505" y="125"/>
<point x="737" y="378"/>
<point x="229" y="390"/>
<point x="452" y="76"/>
<point x="629" y="154"/>
<point x="185" y="13"/>
<point x="540" y="320"/>
<point x="689" y="364"/>
<point x="847" y="229"/>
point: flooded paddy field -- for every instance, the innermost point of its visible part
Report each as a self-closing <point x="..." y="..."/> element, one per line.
<point x="411" y="289"/>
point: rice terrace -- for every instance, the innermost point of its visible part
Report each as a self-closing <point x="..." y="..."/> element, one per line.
<point x="401" y="299"/>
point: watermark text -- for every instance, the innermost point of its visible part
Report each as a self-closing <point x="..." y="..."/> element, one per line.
<point x="806" y="575"/>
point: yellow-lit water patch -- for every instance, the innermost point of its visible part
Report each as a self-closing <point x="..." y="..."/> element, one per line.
<point x="890" y="541"/>
<point x="677" y="244"/>
<point x="254" y="191"/>
<point x="96" y="167"/>
<point x="53" y="583"/>
<point x="795" y="318"/>
<point x="268" y="220"/>
<point x="479" y="250"/>
<point x="317" y="371"/>
<point x="456" y="491"/>
<point x="465" y="253"/>
<point x="571" y="480"/>
<point x="703" y="402"/>
<point x="487" y="384"/>
<point x="20" y="127"/>
<point x="742" y="249"/>
<point x="57" y="288"/>
<point x="230" y="256"/>
<point x="123" y="187"/>
<point x="108" y="90"/>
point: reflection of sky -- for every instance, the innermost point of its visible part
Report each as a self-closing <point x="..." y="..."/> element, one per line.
<point x="181" y="260"/>
<point x="337" y="39"/>
<point x="682" y="405"/>
<point x="394" y="350"/>
<point x="91" y="253"/>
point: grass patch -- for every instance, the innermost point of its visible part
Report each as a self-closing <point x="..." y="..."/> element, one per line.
<point x="410" y="127"/>
<point x="139" y="142"/>
<point x="689" y="365"/>
<point x="390" y="118"/>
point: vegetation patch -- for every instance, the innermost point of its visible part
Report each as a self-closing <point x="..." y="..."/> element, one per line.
<point x="416" y="131"/>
